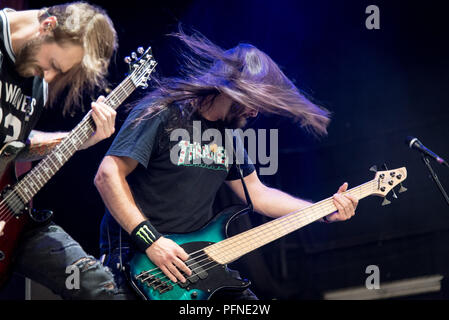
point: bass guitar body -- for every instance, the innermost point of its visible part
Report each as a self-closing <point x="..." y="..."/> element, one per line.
<point x="207" y="278"/>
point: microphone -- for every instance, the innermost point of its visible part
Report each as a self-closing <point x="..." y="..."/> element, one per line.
<point x="414" y="143"/>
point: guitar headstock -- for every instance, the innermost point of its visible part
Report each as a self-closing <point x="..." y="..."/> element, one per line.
<point x="388" y="179"/>
<point x="140" y="68"/>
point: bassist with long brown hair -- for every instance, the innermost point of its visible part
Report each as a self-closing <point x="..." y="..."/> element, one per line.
<point x="150" y="191"/>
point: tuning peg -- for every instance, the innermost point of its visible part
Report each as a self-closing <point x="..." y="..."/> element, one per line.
<point x="127" y="60"/>
<point x="384" y="167"/>
<point x="140" y="50"/>
<point x="402" y="189"/>
<point x="134" y="55"/>
<point x="373" y="168"/>
<point x="386" y="202"/>
<point x="392" y="190"/>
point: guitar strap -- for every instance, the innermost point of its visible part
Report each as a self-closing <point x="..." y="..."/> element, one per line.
<point x="240" y="171"/>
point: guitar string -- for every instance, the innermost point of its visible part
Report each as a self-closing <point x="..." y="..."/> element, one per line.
<point x="288" y="215"/>
<point x="217" y="264"/>
<point x="201" y="269"/>
<point x="120" y="93"/>
<point x="285" y="220"/>
<point x="284" y="225"/>
<point x="316" y="217"/>
<point x="309" y="215"/>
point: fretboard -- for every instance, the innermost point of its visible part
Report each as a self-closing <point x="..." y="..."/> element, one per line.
<point x="234" y="247"/>
<point x="32" y="182"/>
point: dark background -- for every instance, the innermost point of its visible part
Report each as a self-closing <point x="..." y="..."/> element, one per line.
<point x="381" y="86"/>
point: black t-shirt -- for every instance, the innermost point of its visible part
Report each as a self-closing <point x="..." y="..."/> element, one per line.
<point x="21" y="99"/>
<point x="177" y="179"/>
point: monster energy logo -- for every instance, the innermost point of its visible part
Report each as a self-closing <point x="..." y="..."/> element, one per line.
<point x="143" y="234"/>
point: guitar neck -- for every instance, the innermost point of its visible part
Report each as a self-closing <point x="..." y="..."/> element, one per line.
<point x="234" y="247"/>
<point x="31" y="183"/>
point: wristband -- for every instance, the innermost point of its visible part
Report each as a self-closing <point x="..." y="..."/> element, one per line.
<point x="144" y="235"/>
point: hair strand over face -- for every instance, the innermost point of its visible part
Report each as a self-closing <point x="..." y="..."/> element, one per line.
<point x="89" y="26"/>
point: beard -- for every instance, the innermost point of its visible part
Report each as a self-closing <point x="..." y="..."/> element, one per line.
<point x="236" y="117"/>
<point x="26" y="64"/>
<point x="236" y="122"/>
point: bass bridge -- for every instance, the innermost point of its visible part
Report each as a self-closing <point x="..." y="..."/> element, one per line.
<point x="154" y="282"/>
<point x="162" y="284"/>
<point x="198" y="262"/>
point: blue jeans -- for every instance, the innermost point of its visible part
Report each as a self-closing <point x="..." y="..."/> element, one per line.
<point x="49" y="256"/>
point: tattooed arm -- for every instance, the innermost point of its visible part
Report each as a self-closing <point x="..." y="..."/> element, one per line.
<point x="40" y="144"/>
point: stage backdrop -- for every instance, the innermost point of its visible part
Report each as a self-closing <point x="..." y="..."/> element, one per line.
<point x="380" y="85"/>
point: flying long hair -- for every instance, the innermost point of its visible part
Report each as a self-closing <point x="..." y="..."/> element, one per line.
<point x="244" y="73"/>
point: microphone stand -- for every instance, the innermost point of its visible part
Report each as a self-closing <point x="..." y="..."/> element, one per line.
<point x="435" y="178"/>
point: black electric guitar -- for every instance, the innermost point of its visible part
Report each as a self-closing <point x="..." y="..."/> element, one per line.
<point x="14" y="199"/>
<point x="209" y="250"/>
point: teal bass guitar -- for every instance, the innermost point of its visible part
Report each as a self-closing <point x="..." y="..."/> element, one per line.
<point x="210" y="250"/>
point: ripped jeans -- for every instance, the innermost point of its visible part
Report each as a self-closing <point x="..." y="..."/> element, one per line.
<point x="44" y="255"/>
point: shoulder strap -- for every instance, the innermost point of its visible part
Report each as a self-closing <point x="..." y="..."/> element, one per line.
<point x="240" y="171"/>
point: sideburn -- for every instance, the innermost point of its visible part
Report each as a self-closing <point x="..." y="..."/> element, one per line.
<point x="235" y="118"/>
<point x="25" y="63"/>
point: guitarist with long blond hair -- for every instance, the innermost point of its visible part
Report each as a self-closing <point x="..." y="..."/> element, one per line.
<point x="42" y="53"/>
